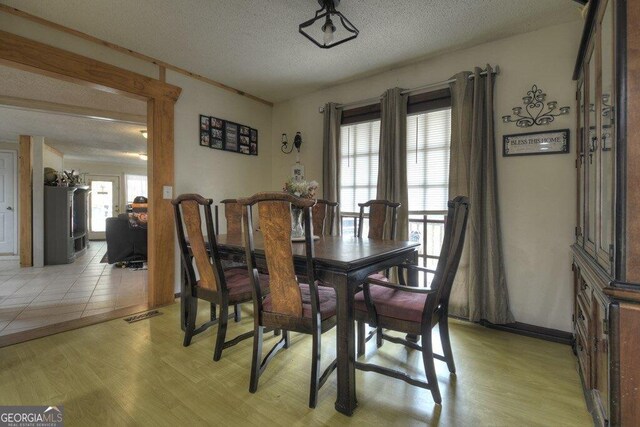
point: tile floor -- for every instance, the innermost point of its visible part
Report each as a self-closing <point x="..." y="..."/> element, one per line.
<point x="35" y="297"/>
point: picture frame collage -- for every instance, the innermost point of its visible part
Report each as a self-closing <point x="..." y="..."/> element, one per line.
<point x="228" y="136"/>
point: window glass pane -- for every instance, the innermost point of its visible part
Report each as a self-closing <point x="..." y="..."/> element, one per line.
<point x="136" y="185"/>
<point x="428" y="145"/>
<point x="359" y="147"/>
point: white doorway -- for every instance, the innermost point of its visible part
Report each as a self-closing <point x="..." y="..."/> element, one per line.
<point x="104" y="203"/>
<point x="8" y="229"/>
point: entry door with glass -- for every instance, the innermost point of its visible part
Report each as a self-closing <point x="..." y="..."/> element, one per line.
<point x="104" y="199"/>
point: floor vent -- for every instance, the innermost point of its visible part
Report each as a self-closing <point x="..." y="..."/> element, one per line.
<point x="142" y="316"/>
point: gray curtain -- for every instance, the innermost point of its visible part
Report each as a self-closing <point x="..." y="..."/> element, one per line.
<point x="480" y="290"/>
<point x="392" y="163"/>
<point x="331" y="160"/>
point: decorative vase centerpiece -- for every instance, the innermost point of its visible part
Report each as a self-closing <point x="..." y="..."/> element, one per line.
<point x="303" y="189"/>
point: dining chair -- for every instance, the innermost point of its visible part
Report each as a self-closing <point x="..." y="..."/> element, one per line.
<point x="233" y="216"/>
<point x="307" y="308"/>
<point x="324" y="213"/>
<point x="414" y="309"/>
<point x="383" y="217"/>
<point x="212" y="283"/>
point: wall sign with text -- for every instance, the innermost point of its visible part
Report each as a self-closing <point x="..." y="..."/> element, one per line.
<point x="549" y="142"/>
<point x="229" y="136"/>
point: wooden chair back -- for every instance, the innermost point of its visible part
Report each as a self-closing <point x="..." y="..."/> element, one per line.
<point x="274" y="209"/>
<point x="324" y="213"/>
<point x="233" y="216"/>
<point x="204" y="250"/>
<point x="383" y="217"/>
<point x="455" y="231"/>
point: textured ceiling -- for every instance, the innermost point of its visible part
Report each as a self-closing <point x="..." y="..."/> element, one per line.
<point x="22" y="84"/>
<point x="77" y="138"/>
<point x="254" y="45"/>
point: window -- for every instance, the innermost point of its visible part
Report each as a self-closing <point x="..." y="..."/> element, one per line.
<point x="359" y="147"/>
<point x="428" y="148"/>
<point x="135" y="185"/>
<point x="428" y="152"/>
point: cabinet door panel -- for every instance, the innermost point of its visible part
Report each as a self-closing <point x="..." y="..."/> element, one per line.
<point x="591" y="161"/>
<point x="580" y="163"/>
<point x="607" y="139"/>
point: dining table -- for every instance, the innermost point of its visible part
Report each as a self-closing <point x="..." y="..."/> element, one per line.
<point x="342" y="262"/>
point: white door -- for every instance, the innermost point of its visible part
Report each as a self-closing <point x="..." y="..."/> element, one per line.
<point x="7" y="207"/>
<point x="103" y="202"/>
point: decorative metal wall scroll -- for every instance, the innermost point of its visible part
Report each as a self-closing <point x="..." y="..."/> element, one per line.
<point x="535" y="112"/>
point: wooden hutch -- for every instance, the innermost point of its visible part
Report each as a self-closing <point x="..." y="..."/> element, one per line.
<point x="606" y="255"/>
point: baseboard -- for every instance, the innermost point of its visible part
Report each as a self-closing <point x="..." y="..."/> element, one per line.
<point x="533" y="331"/>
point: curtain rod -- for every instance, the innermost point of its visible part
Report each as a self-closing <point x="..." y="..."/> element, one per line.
<point x="415" y="90"/>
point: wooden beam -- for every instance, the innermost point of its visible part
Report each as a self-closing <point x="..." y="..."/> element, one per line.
<point x="43" y="59"/>
<point x="28" y="54"/>
<point x="162" y="73"/>
<point x="25" y="188"/>
<point x="118" y="48"/>
<point x="71" y="110"/>
<point x="160" y="170"/>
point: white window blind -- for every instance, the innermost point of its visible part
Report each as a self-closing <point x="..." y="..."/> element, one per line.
<point x="359" y="148"/>
<point x="428" y="147"/>
<point x="136" y="185"/>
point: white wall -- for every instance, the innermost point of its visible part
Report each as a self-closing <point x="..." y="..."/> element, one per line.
<point x="218" y="174"/>
<point x="52" y="159"/>
<point x="537" y="193"/>
<point x="37" y="164"/>
<point x="100" y="168"/>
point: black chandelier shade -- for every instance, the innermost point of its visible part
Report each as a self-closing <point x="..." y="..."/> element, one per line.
<point x="331" y="24"/>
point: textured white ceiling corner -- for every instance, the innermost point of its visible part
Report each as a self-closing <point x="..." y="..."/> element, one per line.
<point x="77" y="138"/>
<point x="254" y="45"/>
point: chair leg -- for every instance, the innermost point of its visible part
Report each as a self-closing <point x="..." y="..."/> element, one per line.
<point x="222" y="331"/>
<point x="446" y="343"/>
<point x="379" y="336"/>
<point x="285" y="336"/>
<point x="429" y="368"/>
<point x="361" y="342"/>
<point x="191" y="305"/>
<point x="213" y="311"/>
<point x="315" y="365"/>
<point x="255" y="360"/>
<point x="237" y="315"/>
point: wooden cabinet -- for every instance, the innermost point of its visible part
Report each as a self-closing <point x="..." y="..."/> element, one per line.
<point x="606" y="254"/>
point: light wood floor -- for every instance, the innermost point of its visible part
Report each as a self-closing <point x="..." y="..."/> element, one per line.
<point x="121" y="374"/>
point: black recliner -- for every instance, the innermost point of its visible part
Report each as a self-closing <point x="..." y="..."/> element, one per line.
<point x="125" y="243"/>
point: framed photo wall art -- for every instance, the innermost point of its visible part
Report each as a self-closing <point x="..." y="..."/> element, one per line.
<point x="228" y="136"/>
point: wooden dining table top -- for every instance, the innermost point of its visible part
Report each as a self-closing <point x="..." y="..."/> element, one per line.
<point x="342" y="252"/>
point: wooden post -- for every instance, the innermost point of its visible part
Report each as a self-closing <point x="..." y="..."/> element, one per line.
<point x="161" y="243"/>
<point x="24" y="206"/>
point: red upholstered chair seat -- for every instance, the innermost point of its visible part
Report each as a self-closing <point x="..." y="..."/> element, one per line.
<point x="393" y="303"/>
<point x="379" y="276"/>
<point x="239" y="284"/>
<point x="327" y="299"/>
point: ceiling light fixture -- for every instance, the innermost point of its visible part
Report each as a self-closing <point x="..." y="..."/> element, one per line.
<point x="144" y="133"/>
<point x="143" y="156"/>
<point x="331" y="35"/>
